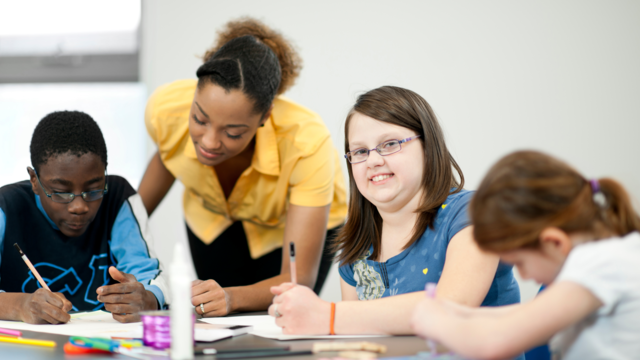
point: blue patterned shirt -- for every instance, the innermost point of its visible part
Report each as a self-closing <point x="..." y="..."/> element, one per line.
<point x="423" y="261"/>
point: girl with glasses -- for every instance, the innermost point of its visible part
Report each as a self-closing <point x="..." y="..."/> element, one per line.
<point x="407" y="226"/>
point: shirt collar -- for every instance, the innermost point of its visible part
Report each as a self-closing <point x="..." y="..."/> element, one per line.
<point x="46" y="216"/>
<point x="190" y="149"/>
<point x="266" y="158"/>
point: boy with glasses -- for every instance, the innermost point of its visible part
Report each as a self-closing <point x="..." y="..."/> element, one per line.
<point x="84" y="232"/>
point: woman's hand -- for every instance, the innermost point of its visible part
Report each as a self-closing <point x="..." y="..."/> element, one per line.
<point x="214" y="299"/>
<point x="301" y="310"/>
<point x="45" y="307"/>
<point x="127" y="299"/>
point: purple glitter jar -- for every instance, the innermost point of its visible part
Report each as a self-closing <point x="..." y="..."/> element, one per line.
<point x="156" y="328"/>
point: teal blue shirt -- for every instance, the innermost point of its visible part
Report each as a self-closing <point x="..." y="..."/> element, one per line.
<point x="424" y="260"/>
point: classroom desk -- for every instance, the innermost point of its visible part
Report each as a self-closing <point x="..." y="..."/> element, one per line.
<point x="396" y="346"/>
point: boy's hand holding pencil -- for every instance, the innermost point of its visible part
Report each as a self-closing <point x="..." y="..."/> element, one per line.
<point x="45" y="307"/>
<point x="42" y="306"/>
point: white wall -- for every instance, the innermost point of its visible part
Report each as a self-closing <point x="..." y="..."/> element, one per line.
<point x="501" y="75"/>
<point x="116" y="107"/>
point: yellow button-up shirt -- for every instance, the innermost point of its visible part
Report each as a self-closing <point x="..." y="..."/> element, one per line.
<point x="294" y="162"/>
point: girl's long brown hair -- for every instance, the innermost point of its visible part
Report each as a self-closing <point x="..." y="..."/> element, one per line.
<point x="528" y="191"/>
<point x="404" y="108"/>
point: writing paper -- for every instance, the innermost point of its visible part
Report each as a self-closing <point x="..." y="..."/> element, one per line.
<point x="88" y="324"/>
<point x="265" y="326"/>
<point x="101" y="324"/>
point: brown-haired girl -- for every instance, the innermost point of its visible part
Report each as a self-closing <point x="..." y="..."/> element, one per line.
<point x="407" y="226"/>
<point x="259" y="170"/>
<point x="578" y="236"/>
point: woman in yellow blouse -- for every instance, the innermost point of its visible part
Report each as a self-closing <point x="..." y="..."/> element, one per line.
<point x="259" y="171"/>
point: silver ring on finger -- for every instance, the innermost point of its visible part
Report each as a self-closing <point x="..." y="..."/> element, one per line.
<point x="202" y="308"/>
<point x="276" y="313"/>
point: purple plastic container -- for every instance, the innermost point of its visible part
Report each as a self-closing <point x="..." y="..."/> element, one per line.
<point x="156" y="328"/>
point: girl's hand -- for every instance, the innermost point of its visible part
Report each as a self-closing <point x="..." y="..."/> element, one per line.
<point x="126" y="299"/>
<point x="428" y="316"/>
<point x="214" y="299"/>
<point x="301" y="310"/>
<point x="45" y="307"/>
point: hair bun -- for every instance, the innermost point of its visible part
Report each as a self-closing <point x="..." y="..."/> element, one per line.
<point x="290" y="61"/>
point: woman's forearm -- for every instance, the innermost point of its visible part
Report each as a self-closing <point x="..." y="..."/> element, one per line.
<point x="155" y="183"/>
<point x="256" y="297"/>
<point x="308" y="223"/>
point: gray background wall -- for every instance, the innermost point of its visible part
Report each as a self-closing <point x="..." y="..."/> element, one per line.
<point x="558" y="76"/>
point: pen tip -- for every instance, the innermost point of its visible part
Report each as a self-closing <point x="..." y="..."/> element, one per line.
<point x="292" y="249"/>
<point x="18" y="248"/>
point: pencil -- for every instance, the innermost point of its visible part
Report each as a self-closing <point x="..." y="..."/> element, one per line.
<point x="257" y="354"/>
<point x="213" y="351"/>
<point x="33" y="269"/>
<point x="48" y="343"/>
<point x="292" y="262"/>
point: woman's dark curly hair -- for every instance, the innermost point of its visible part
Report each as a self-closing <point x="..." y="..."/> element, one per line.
<point x="253" y="58"/>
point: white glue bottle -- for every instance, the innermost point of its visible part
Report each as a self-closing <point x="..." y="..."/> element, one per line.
<point x="181" y="309"/>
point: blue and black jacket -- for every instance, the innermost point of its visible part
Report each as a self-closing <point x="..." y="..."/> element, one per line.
<point x="77" y="266"/>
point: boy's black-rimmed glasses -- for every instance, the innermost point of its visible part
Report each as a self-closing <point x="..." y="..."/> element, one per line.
<point x="65" y="198"/>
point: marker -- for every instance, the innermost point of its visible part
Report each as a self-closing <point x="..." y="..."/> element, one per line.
<point x="292" y="262"/>
<point x="430" y="290"/>
<point x="71" y="349"/>
<point x="33" y="269"/>
<point x="10" y="332"/>
<point x="103" y="344"/>
<point x="28" y="341"/>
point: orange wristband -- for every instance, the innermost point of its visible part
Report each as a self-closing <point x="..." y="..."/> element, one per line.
<point x="333" y="318"/>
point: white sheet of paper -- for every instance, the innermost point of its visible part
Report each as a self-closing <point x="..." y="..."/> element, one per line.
<point x="102" y="325"/>
<point x="265" y="326"/>
<point x="89" y="324"/>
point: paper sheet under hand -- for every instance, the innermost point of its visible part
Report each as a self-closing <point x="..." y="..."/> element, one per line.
<point x="102" y="325"/>
<point x="89" y="324"/>
<point x="265" y="326"/>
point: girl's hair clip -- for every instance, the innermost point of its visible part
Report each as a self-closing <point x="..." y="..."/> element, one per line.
<point x="598" y="196"/>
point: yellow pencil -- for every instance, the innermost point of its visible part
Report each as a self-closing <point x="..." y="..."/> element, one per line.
<point x="48" y="343"/>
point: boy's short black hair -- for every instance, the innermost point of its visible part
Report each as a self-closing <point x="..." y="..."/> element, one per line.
<point x="66" y="131"/>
